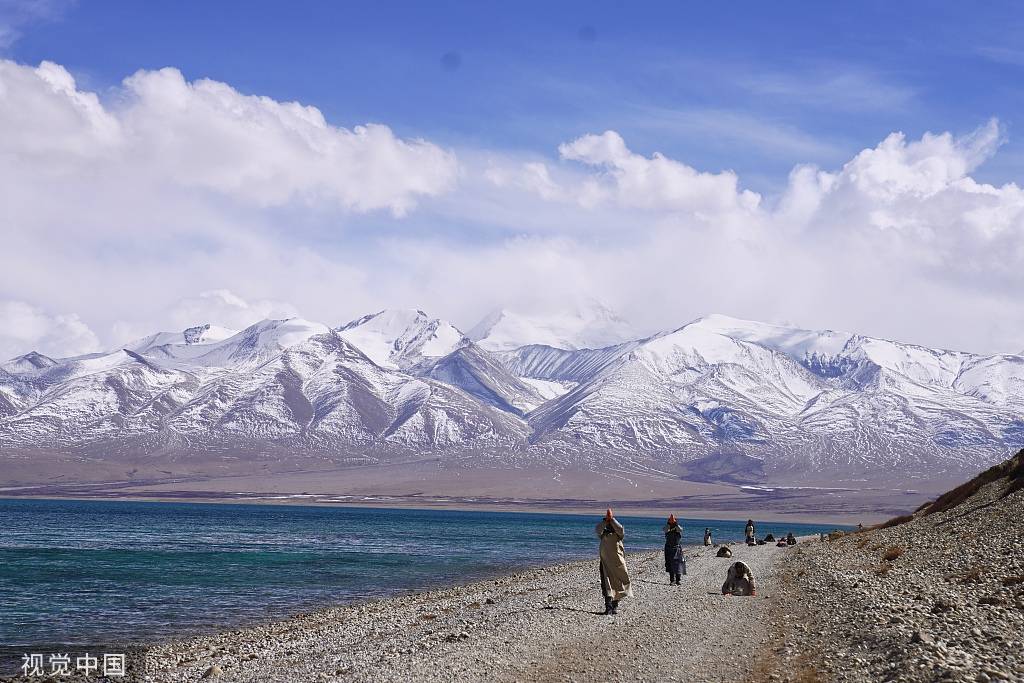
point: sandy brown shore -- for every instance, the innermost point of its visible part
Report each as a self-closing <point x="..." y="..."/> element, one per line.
<point x="541" y="625"/>
<point x="569" y="507"/>
<point x="430" y="483"/>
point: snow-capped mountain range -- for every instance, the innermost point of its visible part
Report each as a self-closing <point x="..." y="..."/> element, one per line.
<point x="717" y="398"/>
<point x="591" y="326"/>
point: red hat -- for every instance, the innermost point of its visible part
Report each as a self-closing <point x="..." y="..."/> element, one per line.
<point x="671" y="519"/>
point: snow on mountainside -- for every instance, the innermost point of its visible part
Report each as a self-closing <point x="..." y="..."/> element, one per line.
<point x="772" y="402"/>
<point x="792" y="341"/>
<point x="831" y="353"/>
<point x="540" y="362"/>
<point x="277" y="384"/>
<point x="251" y="347"/>
<point x="473" y="370"/>
<point x="588" y="327"/>
<point x="995" y="379"/>
<point x="402" y="338"/>
<point x="801" y="400"/>
<point x="200" y="334"/>
<point x="30" y="362"/>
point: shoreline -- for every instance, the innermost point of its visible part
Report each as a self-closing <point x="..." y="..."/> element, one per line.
<point x="537" y="623"/>
<point x="583" y="508"/>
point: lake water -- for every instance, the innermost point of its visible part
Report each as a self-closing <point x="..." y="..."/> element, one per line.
<point x="80" y="572"/>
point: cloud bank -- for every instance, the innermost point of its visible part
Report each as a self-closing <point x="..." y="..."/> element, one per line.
<point x="24" y="327"/>
<point x="166" y="203"/>
<point x="205" y="135"/>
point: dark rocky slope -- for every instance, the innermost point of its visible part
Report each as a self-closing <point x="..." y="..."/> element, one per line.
<point x="933" y="596"/>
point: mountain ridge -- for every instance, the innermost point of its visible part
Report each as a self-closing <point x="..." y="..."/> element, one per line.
<point x="765" y="402"/>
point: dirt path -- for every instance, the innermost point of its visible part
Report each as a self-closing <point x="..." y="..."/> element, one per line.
<point x="541" y="625"/>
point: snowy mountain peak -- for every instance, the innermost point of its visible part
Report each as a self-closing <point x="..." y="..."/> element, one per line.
<point x="199" y="334"/>
<point x="29" y="362"/>
<point x="803" y="403"/>
<point x="793" y="341"/>
<point x="206" y="334"/>
<point x="395" y="320"/>
<point x="255" y="344"/>
<point x="834" y="354"/>
<point x="277" y="334"/>
<point x="590" y="326"/>
<point x="401" y="338"/>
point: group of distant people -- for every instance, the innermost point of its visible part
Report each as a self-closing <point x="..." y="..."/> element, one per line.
<point x="750" y="534"/>
<point x="615" y="582"/>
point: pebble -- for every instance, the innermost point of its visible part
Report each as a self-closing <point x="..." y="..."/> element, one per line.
<point x="449" y="635"/>
<point x="916" y="621"/>
<point x="921" y="637"/>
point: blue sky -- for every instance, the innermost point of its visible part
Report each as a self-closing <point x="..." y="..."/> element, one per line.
<point x="516" y="181"/>
<point x="810" y="85"/>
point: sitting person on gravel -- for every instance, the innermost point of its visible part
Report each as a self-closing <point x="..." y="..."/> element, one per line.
<point x="724" y="551"/>
<point x="614" y="575"/>
<point x="707" y="536"/>
<point x="770" y="538"/>
<point x="750" y="533"/>
<point x="790" y="539"/>
<point x="739" y="580"/>
<point x="673" y="550"/>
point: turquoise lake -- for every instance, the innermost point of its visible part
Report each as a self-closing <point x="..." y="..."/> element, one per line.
<point x="85" y="572"/>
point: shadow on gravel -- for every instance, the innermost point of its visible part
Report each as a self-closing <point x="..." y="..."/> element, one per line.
<point x="575" y="609"/>
<point x="969" y="512"/>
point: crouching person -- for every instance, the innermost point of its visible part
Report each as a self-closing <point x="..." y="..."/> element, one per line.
<point x="614" y="575"/>
<point x="739" y="580"/>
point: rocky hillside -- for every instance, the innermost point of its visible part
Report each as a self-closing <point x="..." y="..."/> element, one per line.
<point x="933" y="596"/>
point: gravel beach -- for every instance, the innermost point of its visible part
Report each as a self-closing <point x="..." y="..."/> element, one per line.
<point x="933" y="596"/>
<point x="939" y="597"/>
<point x="540" y="625"/>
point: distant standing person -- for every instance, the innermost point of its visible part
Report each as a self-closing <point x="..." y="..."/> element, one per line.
<point x="614" y="575"/>
<point x="707" y="536"/>
<point x="673" y="550"/>
<point x="750" y="532"/>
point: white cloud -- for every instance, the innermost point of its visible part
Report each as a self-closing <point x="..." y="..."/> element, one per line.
<point x="51" y="126"/>
<point x="900" y="241"/>
<point x="220" y="307"/>
<point x="604" y="174"/>
<point x="24" y="328"/>
<point x="223" y="307"/>
<point x="122" y="207"/>
<point x="657" y="183"/>
<point x="208" y="136"/>
<point x="918" y="198"/>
